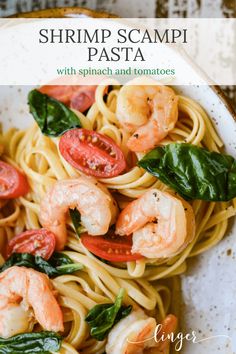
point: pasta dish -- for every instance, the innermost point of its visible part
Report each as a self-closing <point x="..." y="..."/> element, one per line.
<point x="104" y="200"/>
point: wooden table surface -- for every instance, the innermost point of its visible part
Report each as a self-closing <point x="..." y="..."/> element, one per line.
<point x="136" y="8"/>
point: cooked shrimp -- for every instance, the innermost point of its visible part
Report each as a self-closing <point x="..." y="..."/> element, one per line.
<point x="149" y="112"/>
<point x="162" y="225"/>
<point x="25" y="296"/>
<point x="163" y="334"/>
<point x="97" y="207"/>
<point x="135" y="334"/>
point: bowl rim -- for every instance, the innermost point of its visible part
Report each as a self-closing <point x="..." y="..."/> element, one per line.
<point x="61" y="12"/>
<point x="224" y="99"/>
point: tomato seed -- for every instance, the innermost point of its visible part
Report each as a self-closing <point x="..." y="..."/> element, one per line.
<point x="94" y="140"/>
<point x="2" y="188"/>
<point x="82" y="137"/>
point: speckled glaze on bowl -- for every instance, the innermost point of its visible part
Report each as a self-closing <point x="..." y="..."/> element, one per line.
<point x="209" y="286"/>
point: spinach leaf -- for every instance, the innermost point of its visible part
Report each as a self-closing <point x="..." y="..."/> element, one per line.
<point x="193" y="172"/>
<point x="62" y="264"/>
<point x="19" y="259"/>
<point x="101" y="318"/>
<point x="52" y="116"/>
<point x="28" y="343"/>
<point x="76" y="221"/>
<point x="58" y="264"/>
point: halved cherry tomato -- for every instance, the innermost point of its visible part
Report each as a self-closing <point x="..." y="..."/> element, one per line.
<point x="83" y="98"/>
<point x="13" y="183"/>
<point x="79" y="97"/>
<point x="111" y="247"/>
<point x="61" y="93"/>
<point x="36" y="242"/>
<point x="92" y="153"/>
